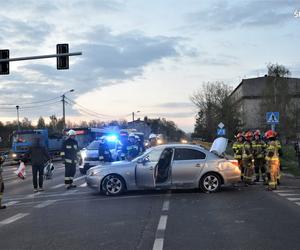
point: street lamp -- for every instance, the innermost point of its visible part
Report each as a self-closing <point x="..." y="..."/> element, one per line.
<point x="64" y="102"/>
<point x="18" y="117"/>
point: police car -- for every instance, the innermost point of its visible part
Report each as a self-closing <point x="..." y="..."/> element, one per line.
<point x="89" y="156"/>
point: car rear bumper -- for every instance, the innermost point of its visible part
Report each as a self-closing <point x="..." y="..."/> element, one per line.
<point x="231" y="177"/>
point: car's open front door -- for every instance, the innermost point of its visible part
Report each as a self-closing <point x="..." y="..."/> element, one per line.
<point x="146" y="169"/>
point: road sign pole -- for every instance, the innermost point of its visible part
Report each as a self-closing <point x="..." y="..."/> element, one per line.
<point x="273" y="126"/>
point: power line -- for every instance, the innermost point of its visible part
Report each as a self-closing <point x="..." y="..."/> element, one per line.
<point x="31" y="107"/>
<point x="92" y="111"/>
<point x="42" y="101"/>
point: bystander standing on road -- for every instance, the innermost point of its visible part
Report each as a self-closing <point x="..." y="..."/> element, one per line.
<point x="39" y="156"/>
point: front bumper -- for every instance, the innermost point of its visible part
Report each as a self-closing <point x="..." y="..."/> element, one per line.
<point x="93" y="182"/>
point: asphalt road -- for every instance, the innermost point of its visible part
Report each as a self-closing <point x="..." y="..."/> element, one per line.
<point x="235" y="218"/>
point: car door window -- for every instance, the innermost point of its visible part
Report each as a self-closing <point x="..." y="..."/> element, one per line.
<point x="182" y="154"/>
<point x="154" y="155"/>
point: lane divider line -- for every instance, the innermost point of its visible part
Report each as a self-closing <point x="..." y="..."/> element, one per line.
<point x="298" y="203"/>
<point x="13" y="219"/>
<point x="166" y="205"/>
<point x="283" y="191"/>
<point x="162" y="224"/>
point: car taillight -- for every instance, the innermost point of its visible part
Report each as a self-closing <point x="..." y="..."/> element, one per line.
<point x="235" y="163"/>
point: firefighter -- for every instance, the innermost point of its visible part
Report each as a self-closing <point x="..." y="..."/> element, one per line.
<point x="69" y="153"/>
<point x="237" y="148"/>
<point x="104" y="152"/>
<point x="272" y="159"/>
<point x="259" y="147"/>
<point x="131" y="149"/>
<point x="247" y="158"/>
<point x="152" y="140"/>
<point x="2" y="159"/>
<point x="279" y="149"/>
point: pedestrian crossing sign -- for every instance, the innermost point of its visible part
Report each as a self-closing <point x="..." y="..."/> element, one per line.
<point x="221" y="131"/>
<point x="272" y="117"/>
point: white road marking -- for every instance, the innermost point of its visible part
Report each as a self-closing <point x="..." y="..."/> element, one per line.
<point x="57" y="186"/>
<point x="298" y="203"/>
<point x="13" y="218"/>
<point x="29" y="196"/>
<point x="293" y="199"/>
<point x="284" y="194"/>
<point x="162" y="225"/>
<point x="83" y="185"/>
<point x="158" y="244"/>
<point x="11" y="203"/>
<point x="166" y="206"/>
<point x="79" y="178"/>
<point x="45" y="203"/>
<point x="283" y="191"/>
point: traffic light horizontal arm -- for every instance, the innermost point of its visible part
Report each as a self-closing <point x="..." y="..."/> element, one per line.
<point x="40" y="57"/>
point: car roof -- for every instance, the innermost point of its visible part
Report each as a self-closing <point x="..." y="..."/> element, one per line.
<point x="180" y="145"/>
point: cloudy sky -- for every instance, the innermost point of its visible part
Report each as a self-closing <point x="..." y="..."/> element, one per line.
<point x="147" y="56"/>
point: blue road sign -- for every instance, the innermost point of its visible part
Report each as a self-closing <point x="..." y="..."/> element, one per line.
<point x="221" y="131"/>
<point x="272" y="117"/>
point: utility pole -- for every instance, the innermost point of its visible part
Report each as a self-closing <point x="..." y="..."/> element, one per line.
<point x="64" y="108"/>
<point x="133" y="117"/>
<point x="17" y="107"/>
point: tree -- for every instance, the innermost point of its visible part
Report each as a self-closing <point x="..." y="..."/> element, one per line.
<point x="214" y="106"/>
<point x="41" y="123"/>
<point x="276" y="70"/>
<point x="276" y="97"/>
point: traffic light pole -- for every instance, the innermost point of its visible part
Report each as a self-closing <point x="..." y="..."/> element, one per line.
<point x="39" y="57"/>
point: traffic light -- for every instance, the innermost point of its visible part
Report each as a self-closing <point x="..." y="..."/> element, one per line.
<point x="4" y="66"/>
<point x="62" y="61"/>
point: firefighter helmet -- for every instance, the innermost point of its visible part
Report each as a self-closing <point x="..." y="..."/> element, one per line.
<point x="257" y="132"/>
<point x="249" y="135"/>
<point x="239" y="135"/>
<point x="71" y="132"/>
<point x="269" y="134"/>
<point x="152" y="136"/>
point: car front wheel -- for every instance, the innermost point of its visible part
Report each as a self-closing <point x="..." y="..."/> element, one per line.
<point x="210" y="183"/>
<point x="113" y="185"/>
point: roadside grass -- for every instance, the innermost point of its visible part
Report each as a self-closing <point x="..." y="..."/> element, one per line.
<point x="289" y="161"/>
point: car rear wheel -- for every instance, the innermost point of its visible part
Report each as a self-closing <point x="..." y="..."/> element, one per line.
<point x="113" y="185"/>
<point x="210" y="183"/>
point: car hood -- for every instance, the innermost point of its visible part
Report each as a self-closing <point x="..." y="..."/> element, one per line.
<point x="116" y="164"/>
<point x="219" y="146"/>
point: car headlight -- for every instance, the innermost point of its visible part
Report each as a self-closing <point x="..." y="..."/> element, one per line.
<point x="14" y="155"/>
<point x="83" y="154"/>
<point x="94" y="172"/>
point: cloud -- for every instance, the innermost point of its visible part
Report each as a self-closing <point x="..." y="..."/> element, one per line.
<point x="227" y="15"/>
<point x="175" y="105"/>
<point x="107" y="59"/>
<point x="173" y="115"/>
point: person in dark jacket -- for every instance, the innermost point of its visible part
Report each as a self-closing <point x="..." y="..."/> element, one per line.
<point x="39" y="156"/>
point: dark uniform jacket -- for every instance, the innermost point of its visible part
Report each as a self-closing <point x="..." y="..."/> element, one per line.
<point x="69" y="151"/>
<point x="104" y="153"/>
